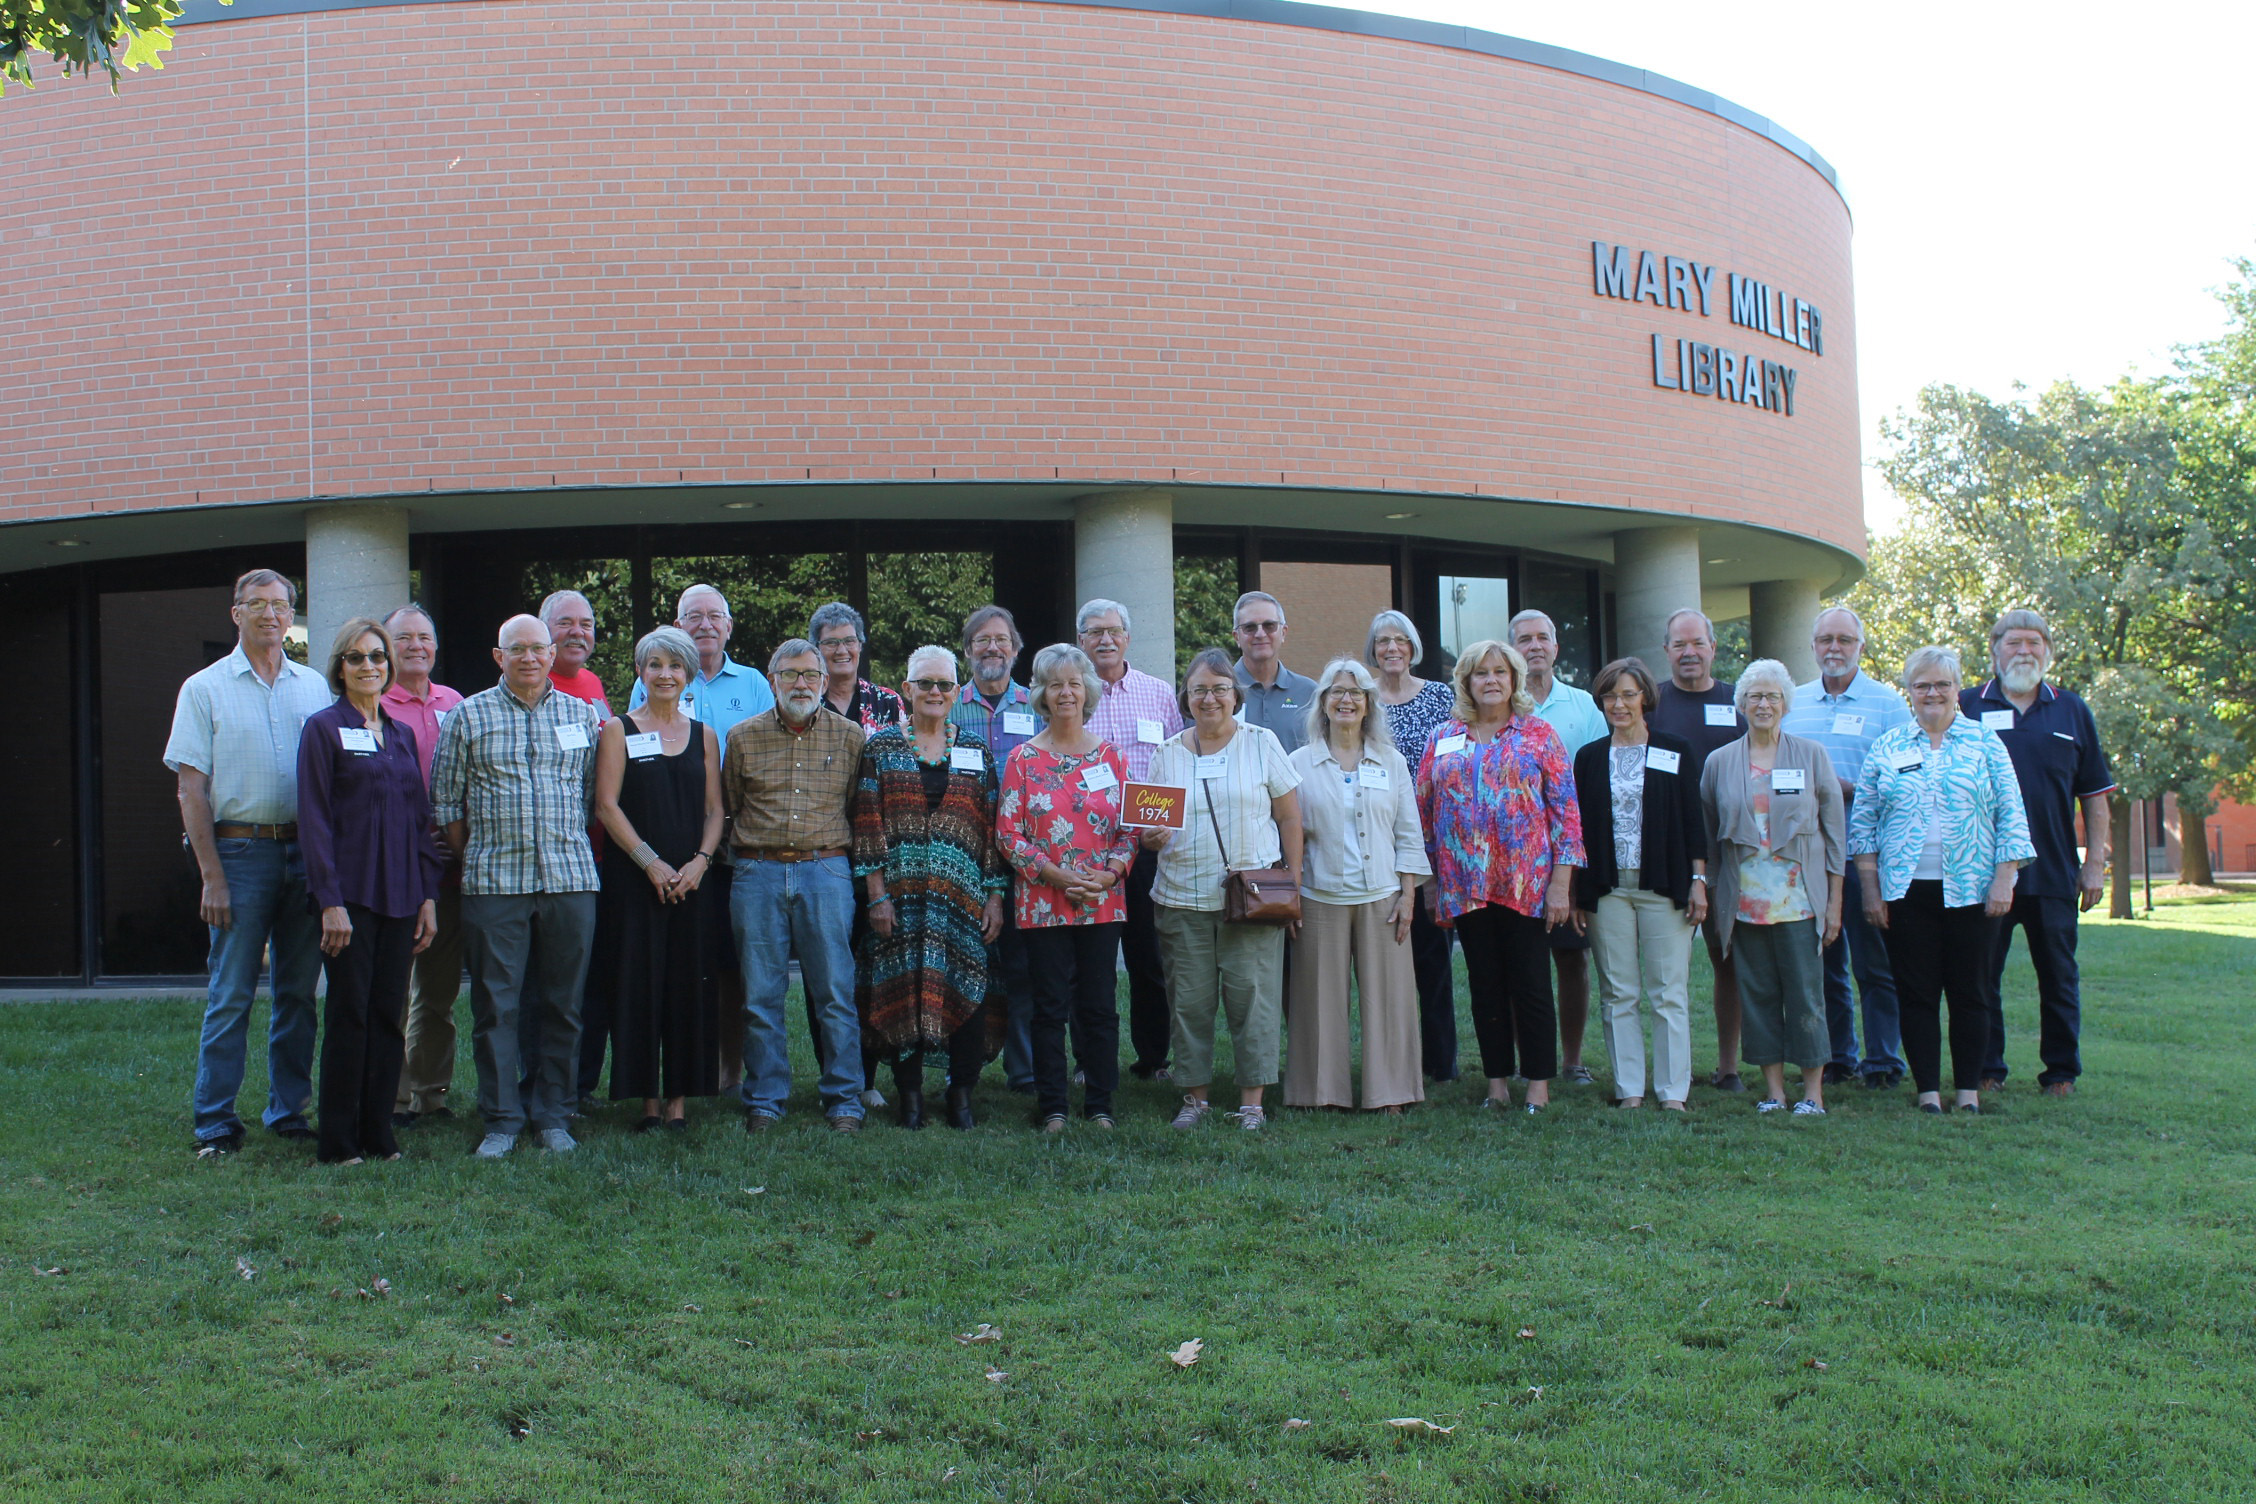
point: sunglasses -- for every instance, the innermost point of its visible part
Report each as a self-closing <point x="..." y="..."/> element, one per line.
<point x="934" y="686"/>
<point x="356" y="657"/>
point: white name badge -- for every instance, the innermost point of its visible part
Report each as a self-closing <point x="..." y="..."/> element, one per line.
<point x="1448" y="745"/>
<point x="1216" y="766"/>
<point x="643" y="744"/>
<point x="1372" y="776"/>
<point x="1019" y="723"/>
<point x="1997" y="720"/>
<point x="572" y="738"/>
<point x="357" y="738"/>
<point x="1097" y="777"/>
<point x="1845" y="724"/>
<point x="1721" y="715"/>
<point x="1150" y="732"/>
<point x="1789" y="781"/>
<point x="966" y="760"/>
<point x="1907" y="759"/>
<point x="1661" y="760"/>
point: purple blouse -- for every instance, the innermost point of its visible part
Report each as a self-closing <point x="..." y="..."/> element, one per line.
<point x="364" y="816"/>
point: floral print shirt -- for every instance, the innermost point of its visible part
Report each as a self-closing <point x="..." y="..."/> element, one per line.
<point x="1770" y="885"/>
<point x="1970" y="778"/>
<point x="1498" y="815"/>
<point x="1049" y="813"/>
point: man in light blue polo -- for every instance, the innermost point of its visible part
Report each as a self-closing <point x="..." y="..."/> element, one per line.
<point x="1842" y="710"/>
<point x="1576" y="717"/>
<point x="234" y="746"/>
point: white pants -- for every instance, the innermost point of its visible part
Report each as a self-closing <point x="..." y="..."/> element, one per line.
<point x="1643" y="944"/>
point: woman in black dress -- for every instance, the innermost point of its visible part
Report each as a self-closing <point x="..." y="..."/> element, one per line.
<point x="658" y="793"/>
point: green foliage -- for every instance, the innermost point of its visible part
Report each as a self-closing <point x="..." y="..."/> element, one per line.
<point x="770" y="596"/>
<point x="84" y="36"/>
<point x="1206" y="587"/>
<point x="609" y="586"/>
<point x="919" y="598"/>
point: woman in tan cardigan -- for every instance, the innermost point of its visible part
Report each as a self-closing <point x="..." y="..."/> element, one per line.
<point x="1775" y="856"/>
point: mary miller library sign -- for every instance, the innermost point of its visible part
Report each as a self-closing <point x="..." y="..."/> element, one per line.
<point x="1694" y="367"/>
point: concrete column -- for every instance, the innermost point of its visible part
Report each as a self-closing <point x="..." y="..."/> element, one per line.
<point x="1656" y="575"/>
<point x="1780" y="614"/>
<point x="356" y="565"/>
<point x="1124" y="550"/>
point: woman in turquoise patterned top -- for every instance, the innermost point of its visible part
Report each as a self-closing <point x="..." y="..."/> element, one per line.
<point x="1938" y="833"/>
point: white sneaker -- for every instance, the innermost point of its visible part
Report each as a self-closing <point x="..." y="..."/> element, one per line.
<point x="872" y="1099"/>
<point x="1194" y="1112"/>
<point x="1251" y="1119"/>
<point x="557" y="1141"/>
<point x="495" y="1145"/>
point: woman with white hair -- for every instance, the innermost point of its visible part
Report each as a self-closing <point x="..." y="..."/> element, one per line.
<point x="1363" y="853"/>
<point x="1413" y="707"/>
<point x="1059" y="825"/>
<point x="923" y="819"/>
<point x="1775" y="833"/>
<point x="1940" y="835"/>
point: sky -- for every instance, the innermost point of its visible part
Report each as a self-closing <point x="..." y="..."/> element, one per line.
<point x="2039" y="191"/>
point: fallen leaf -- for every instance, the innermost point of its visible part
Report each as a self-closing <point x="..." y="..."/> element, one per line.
<point x="755" y="1190"/>
<point x="1819" y="1364"/>
<point x="504" y="1339"/>
<point x="1418" y="1425"/>
<point x="740" y="1342"/>
<point x="1297" y="1424"/>
<point x="948" y="1475"/>
<point x="1536" y="1390"/>
<point x="864" y="1239"/>
<point x="1640" y="1227"/>
<point x="1527" y="1334"/>
<point x="1781" y="1303"/>
<point x="867" y="1435"/>
<point x="981" y="1333"/>
<point x="996" y="1375"/>
<point x="381" y="1287"/>
<point x="58" y="1269"/>
<point x="363" y="1294"/>
<point x="507" y="1299"/>
<point x="1188" y="1353"/>
<point x="334" y="1219"/>
<point x="245" y="1268"/>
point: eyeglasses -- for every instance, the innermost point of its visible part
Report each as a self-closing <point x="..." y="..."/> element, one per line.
<point x="934" y="686"/>
<point x="1621" y="697"/>
<point x="356" y="657"/>
<point x="801" y="676"/>
<point x="1261" y="628"/>
<point x="526" y="649"/>
<point x="1105" y="634"/>
<point x="989" y="642"/>
<point x="827" y="643"/>
<point x="264" y="608"/>
<point x="1390" y="642"/>
<point x="1934" y="687"/>
<point x="706" y="619"/>
<point x="1764" y="697"/>
<point x="1211" y="692"/>
<point x="1343" y="692"/>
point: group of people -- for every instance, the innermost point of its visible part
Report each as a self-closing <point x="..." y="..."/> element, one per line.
<point x="953" y="869"/>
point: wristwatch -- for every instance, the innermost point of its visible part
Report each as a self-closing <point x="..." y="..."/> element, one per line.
<point x="1700" y="877"/>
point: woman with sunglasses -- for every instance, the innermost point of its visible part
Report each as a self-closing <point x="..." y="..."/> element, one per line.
<point x="364" y="825"/>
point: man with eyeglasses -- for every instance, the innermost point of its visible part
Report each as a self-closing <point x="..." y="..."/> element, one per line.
<point x="1276" y="698"/>
<point x="1136" y="713"/>
<point x="422" y="705"/>
<point x="234" y="749"/>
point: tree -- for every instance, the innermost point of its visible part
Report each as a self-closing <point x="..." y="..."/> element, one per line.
<point x="85" y="35"/>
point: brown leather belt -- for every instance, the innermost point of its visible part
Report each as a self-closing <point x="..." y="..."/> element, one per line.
<point x="784" y="854"/>
<point x="228" y="830"/>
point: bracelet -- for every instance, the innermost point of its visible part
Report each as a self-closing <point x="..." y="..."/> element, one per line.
<point x="642" y="856"/>
<point x="882" y="898"/>
<point x="703" y="856"/>
<point x="1701" y="878"/>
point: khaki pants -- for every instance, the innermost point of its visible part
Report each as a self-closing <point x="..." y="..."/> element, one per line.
<point x="1238" y="968"/>
<point x="1333" y="939"/>
<point x="1643" y="944"/>
<point x="429" y="1070"/>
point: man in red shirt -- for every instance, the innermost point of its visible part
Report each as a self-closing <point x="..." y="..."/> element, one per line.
<point x="415" y="702"/>
<point x="570" y="620"/>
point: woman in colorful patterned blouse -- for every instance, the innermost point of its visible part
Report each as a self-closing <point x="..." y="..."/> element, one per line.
<point x="924" y="846"/>
<point x="1773" y="807"/>
<point x="1497" y="799"/>
<point x="1059" y="825"/>
<point x="1414" y="706"/>
<point x="1939" y="835"/>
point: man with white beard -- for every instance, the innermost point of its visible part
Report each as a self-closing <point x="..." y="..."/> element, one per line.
<point x="2056" y="755"/>
<point x="1842" y="710"/>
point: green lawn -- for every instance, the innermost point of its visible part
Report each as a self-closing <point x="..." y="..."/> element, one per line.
<point x="2049" y="1302"/>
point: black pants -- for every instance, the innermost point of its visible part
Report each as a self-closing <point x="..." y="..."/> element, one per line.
<point x="1508" y="973"/>
<point x="967" y="1052"/>
<point x="364" y="1036"/>
<point x="1147" y="978"/>
<point x="1437" y="992"/>
<point x="1937" y="954"/>
<point x="1075" y="975"/>
<point x="2050" y="924"/>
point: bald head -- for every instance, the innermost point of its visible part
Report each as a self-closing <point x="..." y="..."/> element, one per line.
<point x="525" y="655"/>
<point x="522" y="629"/>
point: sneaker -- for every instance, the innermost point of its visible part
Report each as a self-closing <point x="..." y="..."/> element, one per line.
<point x="1251" y="1119"/>
<point x="1807" y="1109"/>
<point x="1054" y="1123"/>
<point x="872" y="1100"/>
<point x="1727" y="1081"/>
<point x="1580" y="1075"/>
<point x="1770" y="1104"/>
<point x="846" y="1122"/>
<point x="495" y="1145"/>
<point x="1993" y="1083"/>
<point x="296" y="1133"/>
<point x="756" y="1121"/>
<point x="1533" y="1108"/>
<point x="2059" y="1088"/>
<point x="558" y="1141"/>
<point x="1192" y="1114"/>
<point x="220" y="1144"/>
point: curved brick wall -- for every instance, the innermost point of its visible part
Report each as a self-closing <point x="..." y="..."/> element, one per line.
<point x="469" y="246"/>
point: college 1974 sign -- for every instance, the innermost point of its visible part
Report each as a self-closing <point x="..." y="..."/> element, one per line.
<point x="1694" y="367"/>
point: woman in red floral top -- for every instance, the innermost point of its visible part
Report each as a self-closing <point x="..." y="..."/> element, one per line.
<point x="1497" y="797"/>
<point x="1059" y="825"/>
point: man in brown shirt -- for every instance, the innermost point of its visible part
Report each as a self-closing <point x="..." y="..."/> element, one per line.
<point x="786" y="778"/>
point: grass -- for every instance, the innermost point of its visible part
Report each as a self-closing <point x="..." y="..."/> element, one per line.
<point x="2050" y="1302"/>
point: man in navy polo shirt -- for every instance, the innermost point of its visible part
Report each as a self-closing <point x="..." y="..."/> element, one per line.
<point x="2056" y="755"/>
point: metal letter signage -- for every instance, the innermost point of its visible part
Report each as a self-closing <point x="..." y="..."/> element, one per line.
<point x="1695" y="368"/>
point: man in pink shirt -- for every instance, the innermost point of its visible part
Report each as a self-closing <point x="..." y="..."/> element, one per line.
<point x="415" y="702"/>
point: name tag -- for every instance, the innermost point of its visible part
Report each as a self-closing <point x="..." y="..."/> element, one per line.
<point x="357" y="738"/>
<point x="1373" y="776"/>
<point x="966" y="760"/>
<point x="1721" y="715"/>
<point x="1150" y="732"/>
<point x="1997" y="720"/>
<point x="643" y="744"/>
<point x="1661" y="760"/>
<point x="1018" y="723"/>
<point x="1789" y="781"/>
<point x="1845" y="724"/>
<point x="1216" y="766"/>
<point x="572" y="738"/>
<point x="1907" y="759"/>
<point x="1096" y="778"/>
<point x="1448" y="745"/>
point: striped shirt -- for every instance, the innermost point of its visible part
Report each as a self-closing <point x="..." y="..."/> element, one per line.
<point x="996" y="726"/>
<point x="1848" y="723"/>
<point x="520" y="777"/>
<point x="242" y="733"/>
<point x="1248" y="773"/>
<point x="1121" y="712"/>
<point x="1967" y="785"/>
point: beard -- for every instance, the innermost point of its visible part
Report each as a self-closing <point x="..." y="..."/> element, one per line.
<point x="798" y="707"/>
<point x="2022" y="676"/>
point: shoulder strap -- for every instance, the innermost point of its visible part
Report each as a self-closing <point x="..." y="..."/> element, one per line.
<point x="1217" y="819"/>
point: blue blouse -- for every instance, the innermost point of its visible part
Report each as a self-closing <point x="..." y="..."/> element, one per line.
<point x="1971" y="777"/>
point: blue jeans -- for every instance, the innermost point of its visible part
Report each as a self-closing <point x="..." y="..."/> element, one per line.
<point x="1864" y="950"/>
<point x="267" y="886"/>
<point x="777" y="908"/>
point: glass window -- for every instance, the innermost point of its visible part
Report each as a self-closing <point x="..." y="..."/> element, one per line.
<point x="39" y="923"/>
<point x="919" y="598"/>
<point x="1206" y="587"/>
<point x="1562" y="592"/>
<point x="770" y="596"/>
<point x="1469" y="608"/>
<point x="609" y="586"/>
<point x="1328" y="608"/>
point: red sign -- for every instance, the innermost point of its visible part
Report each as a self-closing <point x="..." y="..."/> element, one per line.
<point x="1154" y="805"/>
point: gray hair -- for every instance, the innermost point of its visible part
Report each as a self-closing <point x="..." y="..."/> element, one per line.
<point x="2020" y="620"/>
<point x="1405" y="625"/>
<point x="1092" y="609"/>
<point x="930" y="650"/>
<point x="1678" y="615"/>
<point x="796" y="647"/>
<point x="1844" y="610"/>
<point x="1065" y="655"/>
<point x="1376" y="729"/>
<point x="1761" y="672"/>
<point x="1934" y="656"/>
<point x="681" y="607"/>
<point x="416" y="607"/>
<point x="555" y="603"/>
<point x="837" y="614"/>
<point x="1256" y="595"/>
<point x="665" y="642"/>
<point x="252" y="579"/>
<point x="986" y="614"/>
<point x="1512" y="627"/>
